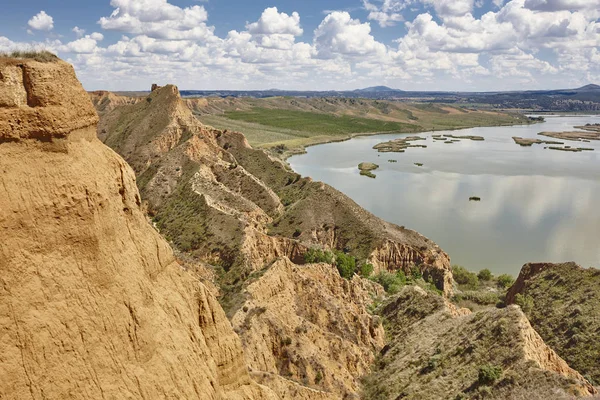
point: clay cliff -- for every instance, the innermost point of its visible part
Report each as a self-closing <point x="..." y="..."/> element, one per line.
<point x="250" y="209"/>
<point x="309" y="325"/>
<point x="562" y="302"/>
<point x="92" y="301"/>
<point x="218" y="212"/>
<point x="437" y="351"/>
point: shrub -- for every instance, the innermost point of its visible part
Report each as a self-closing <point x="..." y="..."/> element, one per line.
<point x="505" y="281"/>
<point x="318" y="377"/>
<point x="416" y="274"/>
<point x="464" y="277"/>
<point x="488" y="374"/>
<point x="485" y="275"/>
<point x="525" y="302"/>
<point x="346" y="264"/>
<point x="313" y="256"/>
<point x="391" y="282"/>
<point x="366" y="270"/>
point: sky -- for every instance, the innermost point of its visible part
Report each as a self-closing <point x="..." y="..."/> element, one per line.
<point x="450" y="45"/>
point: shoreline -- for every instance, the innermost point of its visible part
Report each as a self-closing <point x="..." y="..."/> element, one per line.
<point x="295" y="151"/>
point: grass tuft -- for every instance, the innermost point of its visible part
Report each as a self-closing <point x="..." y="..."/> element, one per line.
<point x="44" y="56"/>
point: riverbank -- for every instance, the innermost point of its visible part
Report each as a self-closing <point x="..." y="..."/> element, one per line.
<point x="287" y="126"/>
<point x="527" y="210"/>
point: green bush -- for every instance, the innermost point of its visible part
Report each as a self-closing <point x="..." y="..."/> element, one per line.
<point x="366" y="270"/>
<point x="346" y="264"/>
<point x="464" y="277"/>
<point x="391" y="282"/>
<point x="415" y="273"/>
<point x="318" y="377"/>
<point x="313" y="256"/>
<point x="485" y="275"/>
<point x="488" y="374"/>
<point x="525" y="302"/>
<point x="505" y="281"/>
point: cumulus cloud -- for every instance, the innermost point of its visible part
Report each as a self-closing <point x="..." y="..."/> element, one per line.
<point x="340" y="35"/>
<point x="388" y="13"/>
<point x="448" y="8"/>
<point x="78" y="31"/>
<point x="273" y="22"/>
<point x="526" y="43"/>
<point x="158" y="19"/>
<point x="41" y="22"/>
<point x="562" y="5"/>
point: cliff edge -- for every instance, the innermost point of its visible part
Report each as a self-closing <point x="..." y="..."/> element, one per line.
<point x="92" y="302"/>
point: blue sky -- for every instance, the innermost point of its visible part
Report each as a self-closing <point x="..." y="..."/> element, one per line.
<point x="329" y="44"/>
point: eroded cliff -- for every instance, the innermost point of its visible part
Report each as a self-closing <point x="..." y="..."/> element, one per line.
<point x="309" y="325"/>
<point x="92" y="302"/>
<point x="562" y="302"/>
<point x="306" y="330"/>
<point x="439" y="351"/>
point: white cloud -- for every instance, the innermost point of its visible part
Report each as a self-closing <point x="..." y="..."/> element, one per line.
<point x="273" y="22"/>
<point x="158" y="19"/>
<point x="388" y="13"/>
<point x="340" y="35"/>
<point x="78" y="31"/>
<point x="528" y="43"/>
<point x="87" y="44"/>
<point x="41" y="22"/>
<point x="562" y="5"/>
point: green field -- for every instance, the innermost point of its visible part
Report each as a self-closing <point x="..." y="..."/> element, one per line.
<point x="294" y="123"/>
<point x="316" y="123"/>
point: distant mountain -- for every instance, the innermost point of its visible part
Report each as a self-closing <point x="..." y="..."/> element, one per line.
<point x="587" y="88"/>
<point x="374" y="89"/>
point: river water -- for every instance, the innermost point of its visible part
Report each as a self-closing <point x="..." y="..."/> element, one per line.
<point x="536" y="204"/>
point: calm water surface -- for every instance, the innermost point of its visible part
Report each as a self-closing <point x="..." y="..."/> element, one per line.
<point x="537" y="204"/>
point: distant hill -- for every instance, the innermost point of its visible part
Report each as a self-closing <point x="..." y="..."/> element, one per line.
<point x="586" y="98"/>
<point x="374" y="89"/>
<point x="588" y="88"/>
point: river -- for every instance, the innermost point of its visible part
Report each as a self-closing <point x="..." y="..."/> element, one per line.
<point x="536" y="204"/>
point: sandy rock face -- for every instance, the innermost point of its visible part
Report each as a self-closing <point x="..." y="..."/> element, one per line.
<point x="41" y="101"/>
<point x="431" y="260"/>
<point x="92" y="302"/>
<point x="308" y="324"/>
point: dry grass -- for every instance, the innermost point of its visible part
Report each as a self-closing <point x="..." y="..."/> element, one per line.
<point x="44" y="56"/>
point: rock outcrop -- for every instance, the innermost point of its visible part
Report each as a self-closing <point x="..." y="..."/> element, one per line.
<point x="92" y="302"/>
<point x="309" y="325"/>
<point x="105" y="101"/>
<point x="439" y="351"/>
<point x="562" y="302"/>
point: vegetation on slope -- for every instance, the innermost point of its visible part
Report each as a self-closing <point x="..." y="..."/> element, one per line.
<point x="298" y="122"/>
<point x="563" y="302"/>
<point x="318" y="123"/>
<point x="38" y="55"/>
<point x="436" y="351"/>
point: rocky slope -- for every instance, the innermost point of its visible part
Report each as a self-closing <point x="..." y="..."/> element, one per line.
<point x="440" y="352"/>
<point x="562" y="303"/>
<point x="248" y="207"/>
<point x="223" y="203"/>
<point x="309" y="325"/>
<point x="92" y="302"/>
